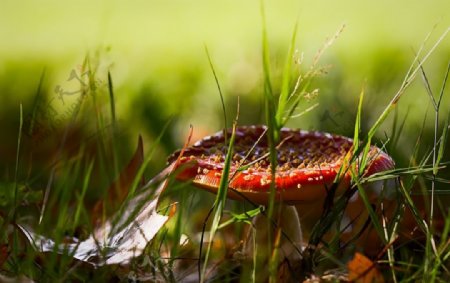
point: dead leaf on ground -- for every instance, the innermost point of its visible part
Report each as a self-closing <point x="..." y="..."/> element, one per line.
<point x="119" y="239"/>
<point x="4" y="253"/>
<point x="18" y="279"/>
<point x="118" y="190"/>
<point x="124" y="235"/>
<point x="362" y="270"/>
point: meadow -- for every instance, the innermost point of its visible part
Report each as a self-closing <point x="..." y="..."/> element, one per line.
<point x="96" y="96"/>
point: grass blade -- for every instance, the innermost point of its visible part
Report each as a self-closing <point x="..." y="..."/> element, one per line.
<point x="112" y="100"/>
<point x="219" y="203"/>
<point x="222" y="101"/>
<point x="86" y="180"/>
<point x="443" y="141"/>
<point x="372" y="214"/>
<point x="406" y="83"/>
<point x="243" y="217"/>
<point x="16" y="170"/>
<point x="358" y="129"/>
<point x="286" y="81"/>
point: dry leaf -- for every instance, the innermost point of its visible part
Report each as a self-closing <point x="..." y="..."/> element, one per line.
<point x="117" y="241"/>
<point x="18" y="279"/>
<point x="126" y="234"/>
<point x="4" y="254"/>
<point x="118" y="190"/>
<point x="123" y="236"/>
<point x="363" y="270"/>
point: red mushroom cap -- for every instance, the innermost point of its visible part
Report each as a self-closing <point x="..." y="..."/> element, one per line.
<point x="308" y="163"/>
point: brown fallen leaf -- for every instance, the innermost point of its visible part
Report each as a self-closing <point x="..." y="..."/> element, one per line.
<point x="118" y="190"/>
<point x="18" y="279"/>
<point x="4" y="254"/>
<point x="124" y="235"/>
<point x="363" y="270"/>
<point x="119" y="239"/>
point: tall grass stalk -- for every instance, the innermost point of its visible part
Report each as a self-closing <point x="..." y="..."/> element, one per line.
<point x="272" y="139"/>
<point x="59" y="151"/>
<point x="222" y="100"/>
<point x="219" y="203"/>
<point x="438" y="151"/>
<point x="220" y="200"/>
<point x="411" y="74"/>
<point x="437" y="155"/>
<point x="16" y="185"/>
<point x="16" y="170"/>
<point x="278" y="112"/>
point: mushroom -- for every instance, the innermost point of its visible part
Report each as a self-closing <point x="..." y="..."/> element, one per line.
<point x="308" y="163"/>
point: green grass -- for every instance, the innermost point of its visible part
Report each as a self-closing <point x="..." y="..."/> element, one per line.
<point x="57" y="200"/>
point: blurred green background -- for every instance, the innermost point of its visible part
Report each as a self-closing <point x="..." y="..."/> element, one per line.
<point x="155" y="51"/>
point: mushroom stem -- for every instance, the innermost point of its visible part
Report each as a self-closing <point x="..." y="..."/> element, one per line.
<point x="291" y="240"/>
